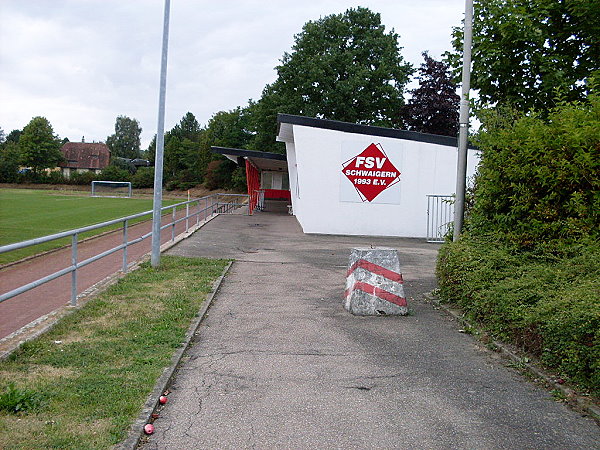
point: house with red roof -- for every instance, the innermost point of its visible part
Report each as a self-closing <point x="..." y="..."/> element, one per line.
<point x="84" y="157"/>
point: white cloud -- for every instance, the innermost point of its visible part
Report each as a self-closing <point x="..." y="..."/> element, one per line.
<point x="81" y="63"/>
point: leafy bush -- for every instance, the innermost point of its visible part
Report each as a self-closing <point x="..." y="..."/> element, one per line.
<point x="527" y="267"/>
<point x="29" y="176"/>
<point x="43" y="177"/>
<point x="179" y="185"/>
<point x="143" y="178"/>
<point x="114" y="173"/>
<point x="238" y="179"/>
<point x="539" y="179"/>
<point x="15" y="400"/>
<point x="82" y="178"/>
<point x="545" y="302"/>
<point x="218" y="174"/>
<point x="10" y="158"/>
<point x="56" y="177"/>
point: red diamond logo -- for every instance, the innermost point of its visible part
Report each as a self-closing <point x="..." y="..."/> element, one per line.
<point x="371" y="172"/>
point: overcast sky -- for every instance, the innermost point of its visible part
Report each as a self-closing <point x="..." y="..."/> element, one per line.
<point x="81" y="63"/>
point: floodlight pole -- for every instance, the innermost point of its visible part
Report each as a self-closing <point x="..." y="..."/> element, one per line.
<point x="463" y="133"/>
<point x="160" y="143"/>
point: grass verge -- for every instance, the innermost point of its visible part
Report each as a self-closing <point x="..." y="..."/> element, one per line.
<point x="28" y="213"/>
<point x="82" y="384"/>
<point x="545" y="302"/>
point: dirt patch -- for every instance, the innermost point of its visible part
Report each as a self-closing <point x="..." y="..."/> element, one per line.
<point x="46" y="373"/>
<point x="40" y="425"/>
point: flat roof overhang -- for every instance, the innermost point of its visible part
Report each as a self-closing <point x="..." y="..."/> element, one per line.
<point x="285" y="131"/>
<point x="263" y="161"/>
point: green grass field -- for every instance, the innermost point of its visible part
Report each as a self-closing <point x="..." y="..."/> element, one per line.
<point x="27" y="214"/>
<point x="82" y="384"/>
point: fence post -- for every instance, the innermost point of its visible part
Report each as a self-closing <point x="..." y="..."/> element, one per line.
<point x="125" y="246"/>
<point x="173" y="224"/>
<point x="187" y="216"/>
<point x="198" y="215"/>
<point x="74" y="272"/>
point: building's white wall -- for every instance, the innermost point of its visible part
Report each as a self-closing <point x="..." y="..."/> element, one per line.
<point x="315" y="165"/>
<point x="290" y="150"/>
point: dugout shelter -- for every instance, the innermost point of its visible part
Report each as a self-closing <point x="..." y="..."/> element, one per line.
<point x="266" y="175"/>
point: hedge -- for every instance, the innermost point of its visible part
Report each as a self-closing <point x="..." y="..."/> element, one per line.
<point x="545" y="303"/>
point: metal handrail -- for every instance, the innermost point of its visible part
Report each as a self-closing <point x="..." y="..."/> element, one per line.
<point x="209" y="204"/>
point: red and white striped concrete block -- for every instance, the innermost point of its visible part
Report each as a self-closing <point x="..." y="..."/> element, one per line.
<point x="374" y="284"/>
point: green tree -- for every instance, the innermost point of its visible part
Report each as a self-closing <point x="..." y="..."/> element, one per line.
<point x="39" y="146"/>
<point x="228" y="129"/>
<point x="151" y="150"/>
<point x="125" y="142"/>
<point x="433" y="106"/>
<point x="143" y="178"/>
<point x="181" y="149"/>
<point x="219" y="174"/>
<point x="224" y="129"/>
<point x="187" y="151"/>
<point x="187" y="128"/>
<point x="525" y="50"/>
<point x="342" y="67"/>
<point x="13" y="136"/>
<point x="10" y="160"/>
<point x="174" y="159"/>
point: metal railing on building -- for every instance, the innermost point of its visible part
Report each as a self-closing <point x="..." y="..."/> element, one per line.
<point x="440" y="214"/>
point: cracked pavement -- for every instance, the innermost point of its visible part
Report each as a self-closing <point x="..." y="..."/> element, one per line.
<point x="279" y="363"/>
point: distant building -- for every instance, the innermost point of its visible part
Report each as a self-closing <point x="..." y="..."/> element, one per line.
<point x="84" y="157"/>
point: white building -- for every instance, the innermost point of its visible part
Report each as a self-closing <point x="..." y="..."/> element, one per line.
<point x="361" y="180"/>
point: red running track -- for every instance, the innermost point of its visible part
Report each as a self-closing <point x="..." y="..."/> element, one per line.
<point x="35" y="303"/>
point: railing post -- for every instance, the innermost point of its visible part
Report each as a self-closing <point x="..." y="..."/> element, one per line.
<point x="198" y="215"/>
<point x="173" y="224"/>
<point x="125" y="246"/>
<point x="187" y="216"/>
<point x="74" y="272"/>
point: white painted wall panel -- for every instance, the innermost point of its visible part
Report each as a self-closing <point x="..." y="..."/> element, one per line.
<point x="315" y="165"/>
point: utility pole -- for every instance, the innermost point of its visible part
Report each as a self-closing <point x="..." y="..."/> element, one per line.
<point x="160" y="143"/>
<point x="463" y="133"/>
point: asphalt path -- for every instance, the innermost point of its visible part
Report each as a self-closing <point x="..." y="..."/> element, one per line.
<point x="279" y="363"/>
<point x="31" y="305"/>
